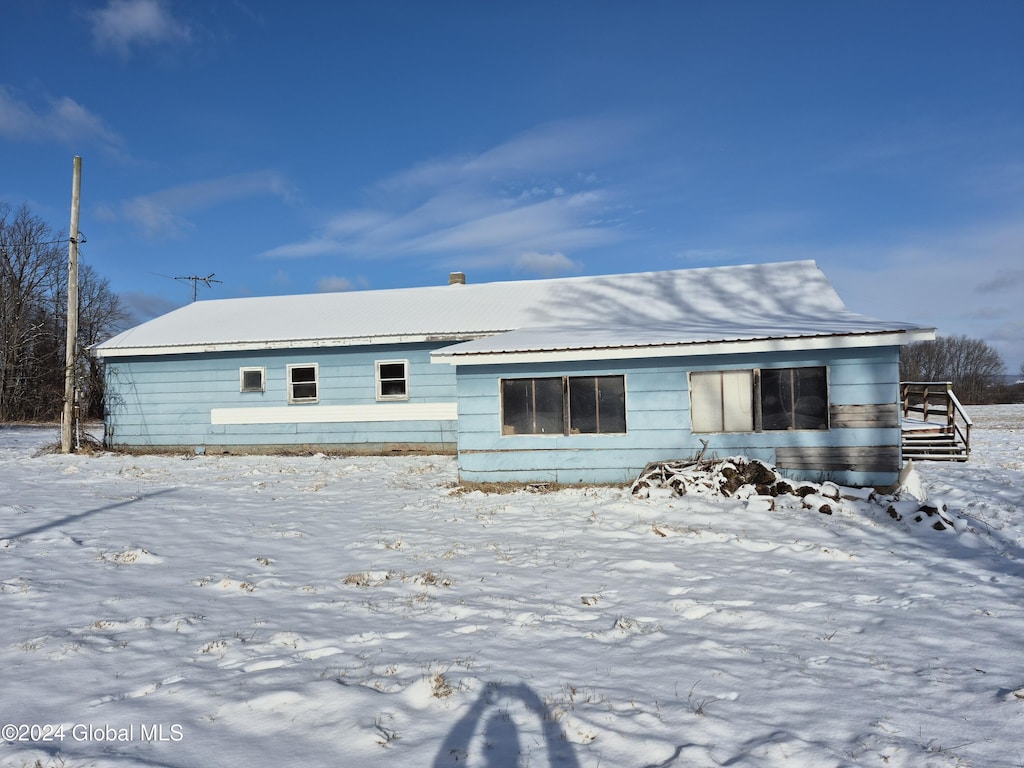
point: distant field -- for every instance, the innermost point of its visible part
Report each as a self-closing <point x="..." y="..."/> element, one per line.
<point x="1008" y="416"/>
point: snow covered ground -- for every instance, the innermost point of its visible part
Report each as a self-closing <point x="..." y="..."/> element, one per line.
<point x="315" y="611"/>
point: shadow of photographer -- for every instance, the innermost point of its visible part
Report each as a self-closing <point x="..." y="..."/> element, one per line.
<point x="503" y="722"/>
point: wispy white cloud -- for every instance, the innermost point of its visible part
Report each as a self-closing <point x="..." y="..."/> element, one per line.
<point x="60" y="119"/>
<point x="537" y="193"/>
<point x="163" y="213"/>
<point x="124" y="25"/>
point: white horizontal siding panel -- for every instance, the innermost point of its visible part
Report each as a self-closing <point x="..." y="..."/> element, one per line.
<point x="335" y="414"/>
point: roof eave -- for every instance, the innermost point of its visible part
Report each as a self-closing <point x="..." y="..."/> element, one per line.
<point x="248" y="346"/>
<point x="687" y="349"/>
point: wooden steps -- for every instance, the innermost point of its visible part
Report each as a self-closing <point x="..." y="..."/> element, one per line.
<point x="937" y="445"/>
<point x="948" y="437"/>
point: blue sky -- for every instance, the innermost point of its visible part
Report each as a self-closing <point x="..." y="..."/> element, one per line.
<point x="301" y="147"/>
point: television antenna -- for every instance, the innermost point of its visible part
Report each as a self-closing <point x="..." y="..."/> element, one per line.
<point x="196" y="280"/>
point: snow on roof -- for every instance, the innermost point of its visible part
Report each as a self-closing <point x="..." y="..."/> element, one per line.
<point x="691" y="306"/>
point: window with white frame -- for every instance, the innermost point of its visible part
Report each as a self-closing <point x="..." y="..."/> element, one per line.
<point x="563" y="405"/>
<point x="759" y="399"/>
<point x="392" y="379"/>
<point x="252" y="379"/>
<point x="303" y="383"/>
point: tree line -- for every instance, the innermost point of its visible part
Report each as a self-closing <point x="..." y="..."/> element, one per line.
<point x="33" y="321"/>
<point x="975" y="368"/>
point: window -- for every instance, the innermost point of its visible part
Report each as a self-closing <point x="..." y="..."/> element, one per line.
<point x="722" y="401"/>
<point x="302" y="383"/>
<point x="251" y="379"/>
<point x="794" y="398"/>
<point x="392" y="380"/>
<point x="597" y="405"/>
<point x="532" y="407"/>
<point x="768" y="399"/>
<point x="572" y="405"/>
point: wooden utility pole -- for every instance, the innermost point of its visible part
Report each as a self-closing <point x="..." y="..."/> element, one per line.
<point x="71" y="350"/>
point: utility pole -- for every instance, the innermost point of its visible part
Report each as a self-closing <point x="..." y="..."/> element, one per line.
<point x="71" y="347"/>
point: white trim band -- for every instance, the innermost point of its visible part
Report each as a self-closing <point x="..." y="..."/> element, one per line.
<point x="335" y="414"/>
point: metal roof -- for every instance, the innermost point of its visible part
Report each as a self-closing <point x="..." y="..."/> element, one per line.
<point x="645" y="310"/>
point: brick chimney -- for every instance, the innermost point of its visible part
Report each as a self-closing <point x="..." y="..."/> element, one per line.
<point x="457" y="278"/>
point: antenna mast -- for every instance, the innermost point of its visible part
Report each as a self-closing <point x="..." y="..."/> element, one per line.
<point x="196" y="280"/>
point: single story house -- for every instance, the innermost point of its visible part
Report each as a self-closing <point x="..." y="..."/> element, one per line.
<point x="574" y="380"/>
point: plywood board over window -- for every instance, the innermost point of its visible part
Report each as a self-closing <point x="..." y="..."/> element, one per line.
<point x="722" y="401"/>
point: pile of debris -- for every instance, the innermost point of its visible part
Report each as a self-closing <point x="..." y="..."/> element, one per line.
<point x="739" y="477"/>
<point x="735" y="477"/>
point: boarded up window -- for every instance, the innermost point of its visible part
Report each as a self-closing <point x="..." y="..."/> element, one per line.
<point x="722" y="401"/>
<point x="302" y="383"/>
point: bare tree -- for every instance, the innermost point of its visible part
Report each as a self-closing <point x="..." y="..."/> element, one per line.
<point x="101" y="315"/>
<point x="33" y="322"/>
<point x="30" y="261"/>
<point x="970" y="364"/>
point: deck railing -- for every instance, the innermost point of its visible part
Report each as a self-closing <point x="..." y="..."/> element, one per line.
<point x="936" y="399"/>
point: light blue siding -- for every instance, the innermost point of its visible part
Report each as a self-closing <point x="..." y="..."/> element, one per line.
<point x="658" y="419"/>
<point x="166" y="401"/>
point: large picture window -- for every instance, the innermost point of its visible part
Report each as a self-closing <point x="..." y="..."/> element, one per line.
<point x="574" y="405"/>
<point x="760" y="399"/>
<point x="302" y="383"/>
